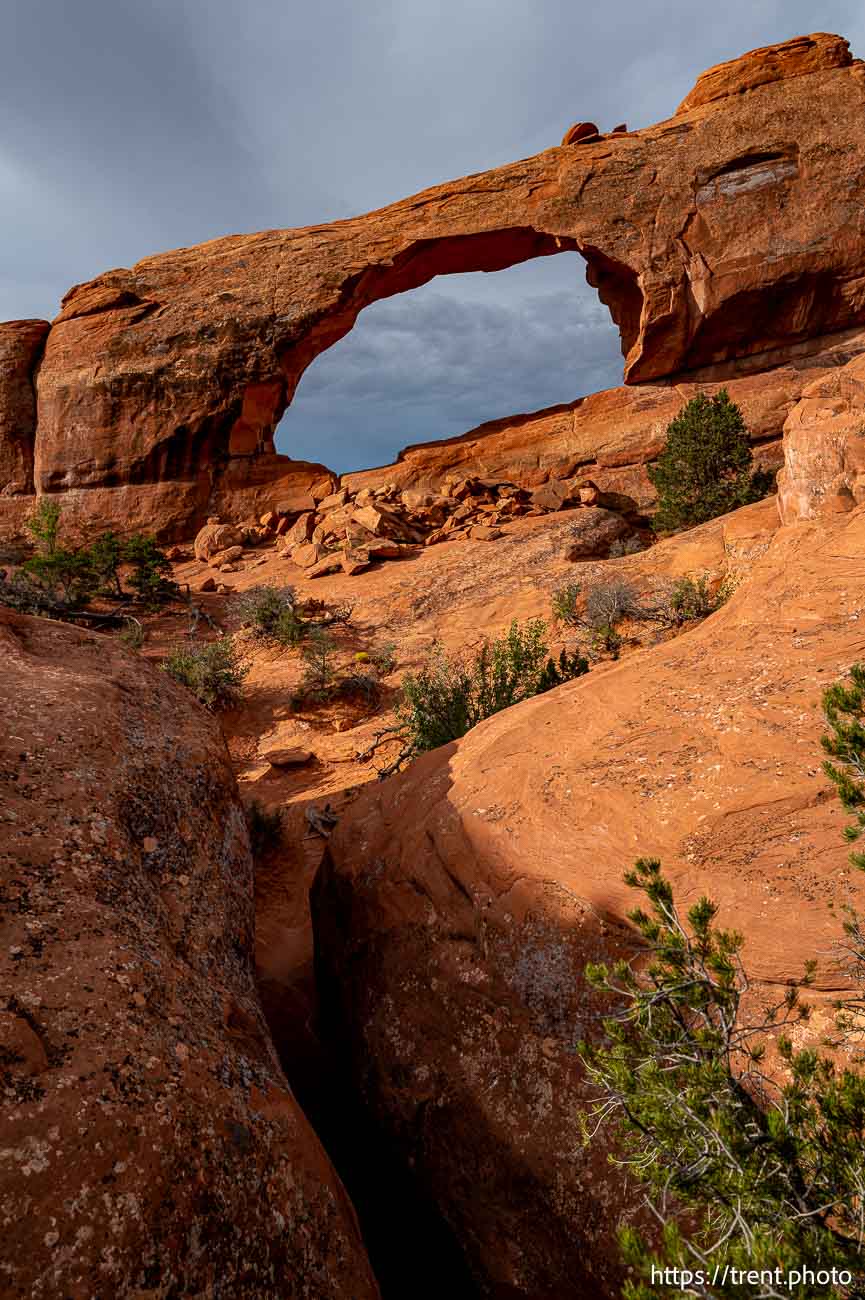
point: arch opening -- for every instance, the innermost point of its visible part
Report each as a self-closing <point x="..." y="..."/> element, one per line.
<point x="446" y="357"/>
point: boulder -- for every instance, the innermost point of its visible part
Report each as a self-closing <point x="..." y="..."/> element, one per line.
<point x="592" y="532"/>
<point x="149" y="1141"/>
<point x="215" y="537"/>
<point x="326" y="565"/>
<point x="221" y="558"/>
<point x="279" y="754"/>
<point x="307" y="555"/>
<point x="580" y="131"/>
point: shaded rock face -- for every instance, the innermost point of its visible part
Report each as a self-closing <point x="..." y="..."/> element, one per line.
<point x="461" y="900"/>
<point x="21" y="344"/>
<point x="728" y="231"/>
<point x="148" y="1141"/>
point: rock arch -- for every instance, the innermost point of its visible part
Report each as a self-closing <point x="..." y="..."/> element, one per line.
<point x="161" y="385"/>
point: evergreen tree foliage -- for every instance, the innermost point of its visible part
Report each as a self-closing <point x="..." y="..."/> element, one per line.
<point x="705" y="468"/>
<point x="751" y="1152"/>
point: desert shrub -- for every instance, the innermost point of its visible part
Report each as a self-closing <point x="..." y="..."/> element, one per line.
<point x="263" y="607"/>
<point x="692" y="599"/>
<point x="21" y="592"/>
<point x="68" y="574"/>
<point x="449" y="695"/>
<point x="705" y="468"/>
<point x="741" y="1169"/>
<point x="320" y="671"/>
<point x="150" y="568"/>
<point x="597" y="613"/>
<point x="214" y="672"/>
<point x="43" y="525"/>
<point x="265" y="828"/>
<point x="133" y="635"/>
<point x="106" y="556"/>
<point x="71" y="576"/>
<point x="382" y="656"/>
<point x="626" y="546"/>
<point x="744" y="1167"/>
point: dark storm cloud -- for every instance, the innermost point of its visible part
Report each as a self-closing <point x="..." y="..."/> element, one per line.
<point x="131" y="126"/>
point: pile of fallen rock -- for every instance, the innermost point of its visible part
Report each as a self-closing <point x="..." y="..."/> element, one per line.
<point x="347" y="532"/>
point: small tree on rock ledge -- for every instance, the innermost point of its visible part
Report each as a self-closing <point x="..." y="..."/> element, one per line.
<point x="705" y="468"/>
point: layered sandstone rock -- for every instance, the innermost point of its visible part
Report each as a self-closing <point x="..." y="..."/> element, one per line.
<point x="21" y="344"/>
<point x="793" y="58"/>
<point x="462" y="899"/>
<point x="824" y="447"/>
<point x="149" y="1143"/>
<point x="728" y="231"/>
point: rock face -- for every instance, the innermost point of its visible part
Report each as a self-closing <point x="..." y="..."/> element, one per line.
<point x="824" y="447"/>
<point x="21" y="344"/>
<point x="794" y="58"/>
<point x="731" y="230"/>
<point x="148" y="1142"/>
<point x="462" y="899"/>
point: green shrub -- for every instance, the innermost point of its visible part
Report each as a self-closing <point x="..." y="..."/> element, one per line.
<point x="319" y="657"/>
<point x="448" y="696"/>
<point x="597" y="615"/>
<point x="692" y="599"/>
<point x="106" y="555"/>
<point x="151" y="569"/>
<point x="44" y="525"/>
<point x="68" y="574"/>
<point x="214" y="672"/>
<point x="705" y="468"/>
<point x="264" y="606"/>
<point x="265" y="828"/>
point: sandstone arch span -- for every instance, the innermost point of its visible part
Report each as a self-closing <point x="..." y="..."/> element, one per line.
<point x="161" y="385"/>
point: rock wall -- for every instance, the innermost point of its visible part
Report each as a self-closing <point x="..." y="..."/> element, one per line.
<point x="149" y="1143"/>
<point x="731" y="230"/>
<point x="21" y="344"/>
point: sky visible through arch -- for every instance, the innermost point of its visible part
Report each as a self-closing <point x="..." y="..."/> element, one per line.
<point x="129" y="128"/>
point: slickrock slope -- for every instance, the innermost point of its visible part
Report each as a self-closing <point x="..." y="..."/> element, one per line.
<point x="462" y="898"/>
<point x="730" y="230"/>
<point x="149" y="1144"/>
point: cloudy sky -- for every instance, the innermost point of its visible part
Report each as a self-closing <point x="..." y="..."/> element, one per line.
<point x="131" y="126"/>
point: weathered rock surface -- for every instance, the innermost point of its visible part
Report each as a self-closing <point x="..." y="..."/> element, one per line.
<point x="462" y="899"/>
<point x="824" y="447"/>
<point x="793" y="58"/>
<point x="21" y="344"/>
<point x="729" y="231"/>
<point x="149" y="1143"/>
